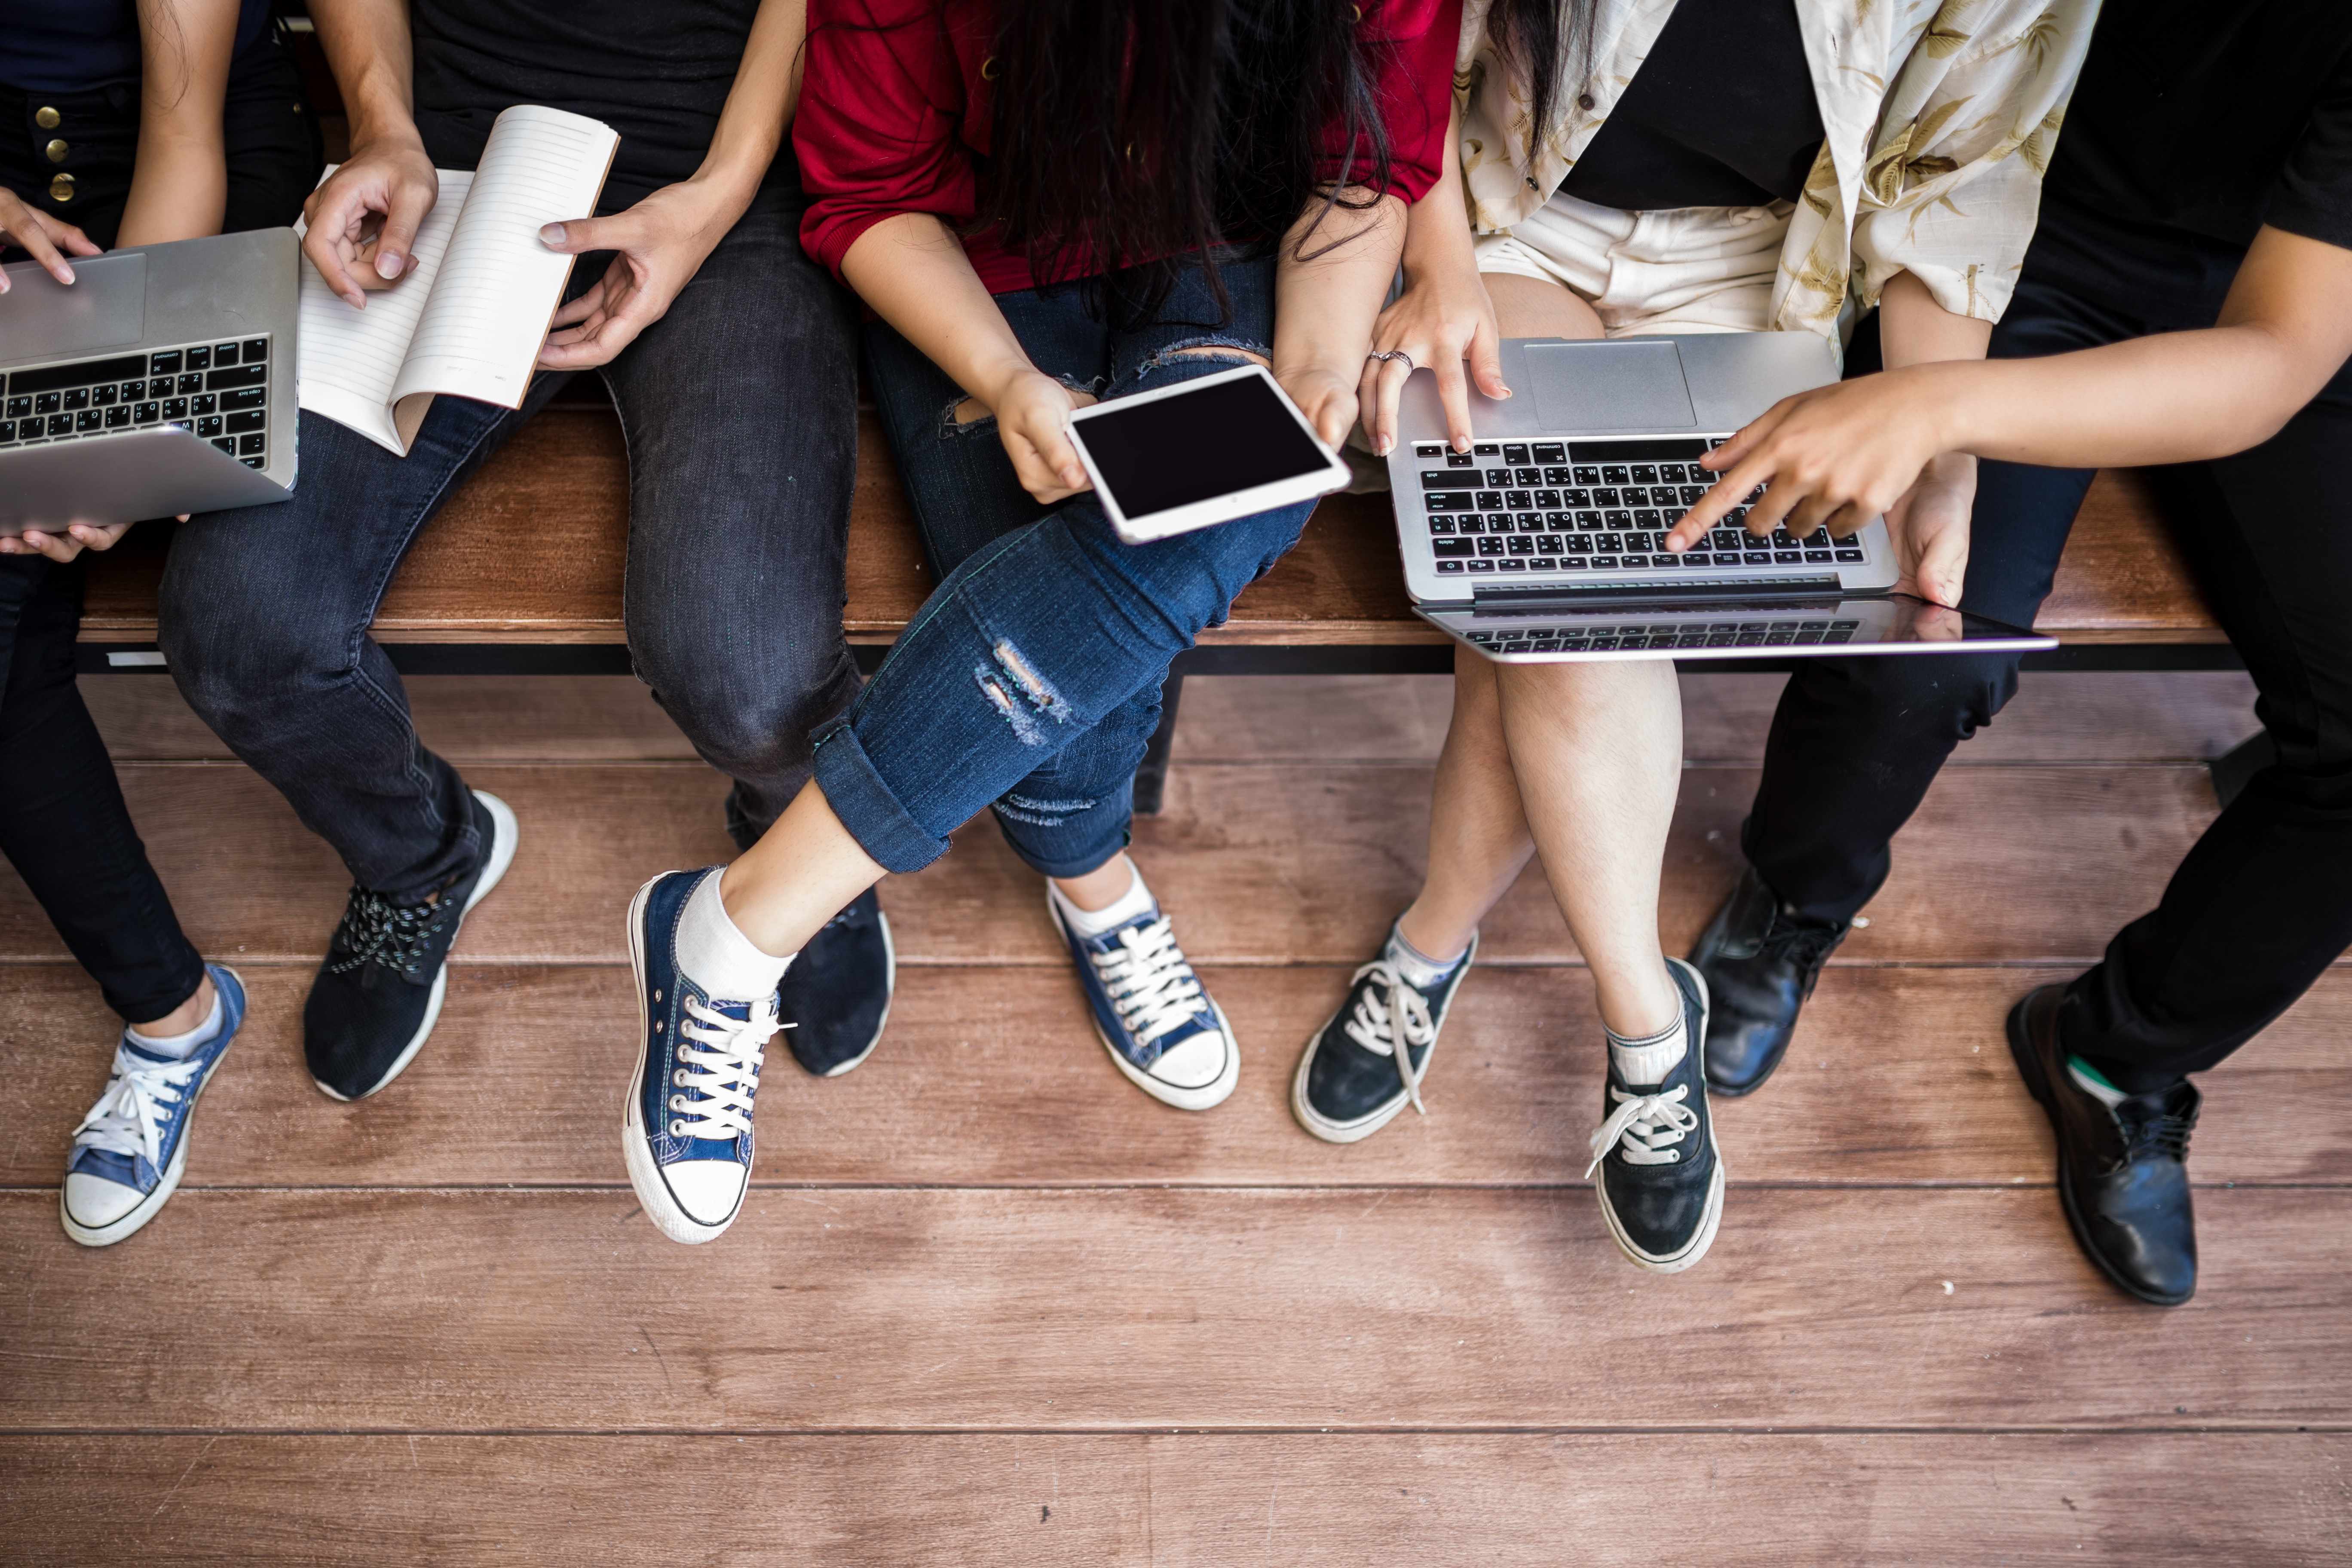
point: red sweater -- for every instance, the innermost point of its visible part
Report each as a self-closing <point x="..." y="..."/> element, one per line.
<point x="891" y="116"/>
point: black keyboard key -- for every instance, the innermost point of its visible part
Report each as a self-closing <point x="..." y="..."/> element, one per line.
<point x="147" y="412"/>
<point x="1480" y="565"/>
<point x="1548" y="500"/>
<point x="224" y="353"/>
<point x="1429" y="448"/>
<point x="117" y="416"/>
<point x="1578" y="545"/>
<point x="59" y="423"/>
<point x="1645" y="473"/>
<point x="1606" y="498"/>
<point x="1447" y="500"/>
<point x="1604" y="563"/>
<point x="204" y="404"/>
<point x="1490" y="545"/>
<point x="1430" y="479"/>
<point x="1510" y="565"/>
<point x="1560" y="476"/>
<point x="1516" y="453"/>
<point x="254" y="462"/>
<point x="250" y="445"/>
<point x="175" y="409"/>
<point x="1551" y="544"/>
<point x="1782" y="542"/>
<point x="165" y="363"/>
<point x="1444" y="548"/>
<point x="77" y="398"/>
<point x="1758" y="558"/>
<point x="1587" y="475"/>
<point x="1499" y="478"/>
<point x="47" y="403"/>
<point x="226" y="445"/>
<point x="200" y="359"/>
<point x="1526" y="478"/>
<point x="7" y="429"/>
<point x="103" y="396"/>
<point x="1490" y="501"/>
<point x="1849" y="554"/>
<point x="91" y="419"/>
<point x="1559" y="521"/>
<point x="243" y="398"/>
<point x="1518" y="500"/>
<point x="1647" y="519"/>
<point x="1588" y="521"/>
<point x="1576" y="498"/>
<point x="1616" y="474"/>
<point x="19" y="406"/>
<point x="243" y="375"/>
<point x="1608" y="544"/>
<point x="1440" y="525"/>
<point x="1691" y="495"/>
<point x="1459" y="461"/>
<point x="192" y="382"/>
<point x="1499" y="522"/>
<point x="209" y="425"/>
<point x="1551" y="452"/>
<point x="1817" y="558"/>
<point x="1522" y="545"/>
<point x="1487" y="449"/>
<point x="254" y="350"/>
<point x="1449" y="566"/>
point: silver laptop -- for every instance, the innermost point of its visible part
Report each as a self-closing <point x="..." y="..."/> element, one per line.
<point x="1544" y="541"/>
<point x="160" y="381"/>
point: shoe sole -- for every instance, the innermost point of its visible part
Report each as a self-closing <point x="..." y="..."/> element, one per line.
<point x="644" y="1176"/>
<point x="1319" y="1125"/>
<point x="2029" y="1068"/>
<point x="1210" y="1095"/>
<point x="1711" y="1217"/>
<point x="502" y="816"/>
<point x="889" y="996"/>
<point x="152" y="1204"/>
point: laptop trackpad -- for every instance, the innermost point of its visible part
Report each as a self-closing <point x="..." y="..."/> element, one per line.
<point x="1597" y="386"/>
<point x="105" y="307"/>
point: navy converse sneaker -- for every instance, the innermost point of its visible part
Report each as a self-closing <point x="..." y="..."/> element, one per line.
<point x="1661" y="1182"/>
<point x="129" y="1152"/>
<point x="1162" y="1029"/>
<point x="836" y="994"/>
<point x="1351" y="1081"/>
<point x="687" y="1130"/>
<point x="379" y="994"/>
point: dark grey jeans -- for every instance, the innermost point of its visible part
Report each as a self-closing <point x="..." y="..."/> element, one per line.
<point x="740" y="409"/>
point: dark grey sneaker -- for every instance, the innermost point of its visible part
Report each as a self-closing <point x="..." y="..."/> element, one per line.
<point x="379" y="993"/>
<point x="836" y="996"/>
<point x="1351" y="1080"/>
<point x="1661" y="1182"/>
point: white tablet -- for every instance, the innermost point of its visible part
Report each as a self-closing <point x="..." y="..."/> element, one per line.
<point x="1204" y="452"/>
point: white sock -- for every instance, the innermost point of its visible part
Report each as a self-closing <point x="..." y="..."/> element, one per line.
<point x="179" y="1046"/>
<point x="719" y="958"/>
<point x="1649" y="1059"/>
<point x="1416" y="968"/>
<point x="1135" y="902"/>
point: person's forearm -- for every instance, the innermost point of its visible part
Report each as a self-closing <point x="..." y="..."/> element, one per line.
<point x="367" y="48"/>
<point x="1333" y="273"/>
<point x="179" y="181"/>
<point x="1437" y="228"/>
<point x="760" y="104"/>
<point x="912" y="271"/>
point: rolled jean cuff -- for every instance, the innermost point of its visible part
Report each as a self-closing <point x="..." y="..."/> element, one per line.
<point x="866" y="806"/>
<point x="1071" y="844"/>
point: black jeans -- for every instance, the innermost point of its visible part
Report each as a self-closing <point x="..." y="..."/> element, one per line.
<point x="62" y="822"/>
<point x="266" y="127"/>
<point x="740" y="409"/>
<point x="2260" y="907"/>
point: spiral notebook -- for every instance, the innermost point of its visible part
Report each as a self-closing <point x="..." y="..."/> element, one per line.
<point x="469" y="317"/>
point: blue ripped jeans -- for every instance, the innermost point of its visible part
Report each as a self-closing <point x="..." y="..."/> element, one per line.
<point x="1031" y="679"/>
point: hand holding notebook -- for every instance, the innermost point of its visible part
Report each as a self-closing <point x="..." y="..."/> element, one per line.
<point x="469" y="316"/>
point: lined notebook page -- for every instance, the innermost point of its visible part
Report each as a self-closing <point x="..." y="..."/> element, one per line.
<point x="482" y="327"/>
<point x="349" y="359"/>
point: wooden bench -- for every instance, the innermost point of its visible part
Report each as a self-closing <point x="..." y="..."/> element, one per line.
<point x="520" y="574"/>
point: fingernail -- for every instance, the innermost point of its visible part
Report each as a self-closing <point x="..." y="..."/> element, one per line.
<point x="553" y="234"/>
<point x="1386" y="444"/>
<point x="388" y="264"/>
<point x="67" y="271"/>
<point x="1508" y="392"/>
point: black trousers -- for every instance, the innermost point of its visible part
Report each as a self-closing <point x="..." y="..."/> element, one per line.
<point x="2263" y="903"/>
<point x="62" y="821"/>
<point x="267" y="131"/>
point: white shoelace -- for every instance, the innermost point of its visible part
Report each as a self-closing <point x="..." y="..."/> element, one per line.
<point x="1650" y="1124"/>
<point x="128" y="1119"/>
<point x="1149" y="981"/>
<point x="1380" y="1021"/>
<point x="725" y="1068"/>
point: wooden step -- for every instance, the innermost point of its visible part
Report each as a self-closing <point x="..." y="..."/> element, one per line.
<point x="1302" y="1500"/>
<point x="530" y="549"/>
<point x="853" y="1309"/>
<point x="993" y="1078"/>
<point x="1260" y="863"/>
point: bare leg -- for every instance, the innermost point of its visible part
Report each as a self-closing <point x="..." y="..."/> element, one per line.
<point x="1597" y="750"/>
<point x="799" y="875"/>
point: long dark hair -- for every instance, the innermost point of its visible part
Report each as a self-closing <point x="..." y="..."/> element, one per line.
<point x="1128" y="129"/>
<point x="1542" y="42"/>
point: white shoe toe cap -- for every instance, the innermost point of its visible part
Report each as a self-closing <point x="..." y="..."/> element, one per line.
<point x="708" y="1189"/>
<point x="1194" y="1062"/>
<point x="93" y="1201"/>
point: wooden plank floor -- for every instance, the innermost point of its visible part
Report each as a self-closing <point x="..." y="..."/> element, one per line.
<point x="989" y="1305"/>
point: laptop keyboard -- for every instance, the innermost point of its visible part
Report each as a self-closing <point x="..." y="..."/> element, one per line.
<point x="1588" y="506"/>
<point x="219" y="392"/>
<point x="1687" y="634"/>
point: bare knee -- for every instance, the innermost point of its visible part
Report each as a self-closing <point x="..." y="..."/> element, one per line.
<point x="1533" y="308"/>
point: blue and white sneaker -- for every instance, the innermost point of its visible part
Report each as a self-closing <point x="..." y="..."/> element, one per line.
<point x="686" y="1132"/>
<point x="130" y="1150"/>
<point x="1162" y="1029"/>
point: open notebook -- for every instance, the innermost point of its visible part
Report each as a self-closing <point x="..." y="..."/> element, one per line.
<point x="471" y="316"/>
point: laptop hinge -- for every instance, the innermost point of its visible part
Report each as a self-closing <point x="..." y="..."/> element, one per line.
<point x="1589" y="593"/>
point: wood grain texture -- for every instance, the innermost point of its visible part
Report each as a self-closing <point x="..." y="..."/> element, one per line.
<point x="1259" y="863"/>
<point x="993" y="1078"/>
<point x="1184" y="1501"/>
<point x="1137" y="1308"/>
<point x="531" y="549"/>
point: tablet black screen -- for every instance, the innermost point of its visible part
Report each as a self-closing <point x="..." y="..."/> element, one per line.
<point x="1196" y="445"/>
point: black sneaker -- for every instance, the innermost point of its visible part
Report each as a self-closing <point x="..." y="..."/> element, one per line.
<point x="378" y="994"/>
<point x="1661" y="1182"/>
<point x="2123" y="1171"/>
<point x="838" y="990"/>
<point x="1761" y="965"/>
<point x="1350" y="1082"/>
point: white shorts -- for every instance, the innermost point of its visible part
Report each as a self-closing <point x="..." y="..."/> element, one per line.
<point x="1681" y="270"/>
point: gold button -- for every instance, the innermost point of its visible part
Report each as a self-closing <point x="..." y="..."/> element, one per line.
<point x="61" y="189"/>
<point x="990" y="69"/>
<point x="47" y="119"/>
<point x="56" y="150"/>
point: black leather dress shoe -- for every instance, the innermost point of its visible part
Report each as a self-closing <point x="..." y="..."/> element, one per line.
<point x="1760" y="965"/>
<point x="2123" y="1175"/>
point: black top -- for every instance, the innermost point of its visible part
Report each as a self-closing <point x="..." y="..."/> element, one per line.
<point x="2195" y="124"/>
<point x="658" y="74"/>
<point x="1720" y="114"/>
<point x="81" y="46"/>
